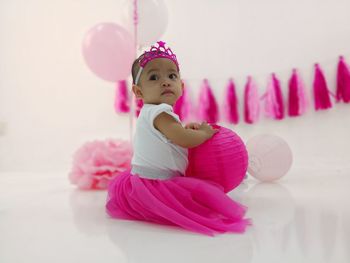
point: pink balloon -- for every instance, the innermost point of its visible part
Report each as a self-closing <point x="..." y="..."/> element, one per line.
<point x="270" y="157"/>
<point x="109" y="51"/>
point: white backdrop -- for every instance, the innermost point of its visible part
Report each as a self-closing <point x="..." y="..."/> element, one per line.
<point x="51" y="103"/>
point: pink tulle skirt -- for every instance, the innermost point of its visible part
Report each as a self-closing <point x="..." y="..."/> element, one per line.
<point x="193" y="204"/>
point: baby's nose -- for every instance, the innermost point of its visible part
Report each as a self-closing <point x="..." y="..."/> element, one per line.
<point x="165" y="84"/>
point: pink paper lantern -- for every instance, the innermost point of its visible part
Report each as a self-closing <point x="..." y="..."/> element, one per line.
<point x="223" y="159"/>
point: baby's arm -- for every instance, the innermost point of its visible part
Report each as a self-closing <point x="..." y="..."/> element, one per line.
<point x="181" y="136"/>
<point x="192" y="125"/>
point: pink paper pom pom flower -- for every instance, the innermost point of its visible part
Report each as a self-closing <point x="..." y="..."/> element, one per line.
<point x="98" y="162"/>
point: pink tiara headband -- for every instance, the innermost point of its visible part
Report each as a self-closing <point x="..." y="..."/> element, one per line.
<point x="155" y="52"/>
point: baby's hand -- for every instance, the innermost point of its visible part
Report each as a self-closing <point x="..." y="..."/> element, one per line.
<point x="207" y="129"/>
<point x="192" y="125"/>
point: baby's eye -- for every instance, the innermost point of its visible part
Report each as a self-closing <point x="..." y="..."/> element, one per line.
<point x="173" y="76"/>
<point x="153" y="77"/>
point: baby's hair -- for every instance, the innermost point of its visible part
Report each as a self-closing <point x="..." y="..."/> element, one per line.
<point x="135" y="68"/>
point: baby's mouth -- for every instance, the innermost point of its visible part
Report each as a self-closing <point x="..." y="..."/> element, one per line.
<point x="167" y="92"/>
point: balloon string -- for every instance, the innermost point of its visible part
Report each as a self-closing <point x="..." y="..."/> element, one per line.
<point x="136" y="18"/>
<point x="131" y="98"/>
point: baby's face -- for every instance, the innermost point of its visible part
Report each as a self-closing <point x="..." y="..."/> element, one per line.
<point x="159" y="82"/>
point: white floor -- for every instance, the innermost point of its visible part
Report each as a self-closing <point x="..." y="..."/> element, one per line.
<point x="303" y="218"/>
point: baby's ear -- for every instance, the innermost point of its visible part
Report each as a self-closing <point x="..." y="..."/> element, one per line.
<point x="137" y="91"/>
<point x="182" y="86"/>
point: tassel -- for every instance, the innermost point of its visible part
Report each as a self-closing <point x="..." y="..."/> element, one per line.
<point x="274" y="106"/>
<point x="321" y="92"/>
<point x="343" y="81"/>
<point x="182" y="106"/>
<point x="297" y="102"/>
<point x="251" y="102"/>
<point x="231" y="104"/>
<point x="121" y="101"/>
<point x="138" y="106"/>
<point x="208" y="108"/>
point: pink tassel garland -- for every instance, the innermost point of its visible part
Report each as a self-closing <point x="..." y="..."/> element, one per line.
<point x="321" y="92"/>
<point x="121" y="101"/>
<point x="138" y="106"/>
<point x="343" y="81"/>
<point x="274" y="106"/>
<point x="207" y="108"/>
<point x="231" y="104"/>
<point x="251" y="102"/>
<point x="182" y="106"/>
<point x="297" y="102"/>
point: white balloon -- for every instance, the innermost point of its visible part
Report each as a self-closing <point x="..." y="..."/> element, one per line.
<point x="152" y="20"/>
<point x="269" y="156"/>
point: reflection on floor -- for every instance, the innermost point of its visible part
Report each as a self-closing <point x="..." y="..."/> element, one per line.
<point x="303" y="218"/>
